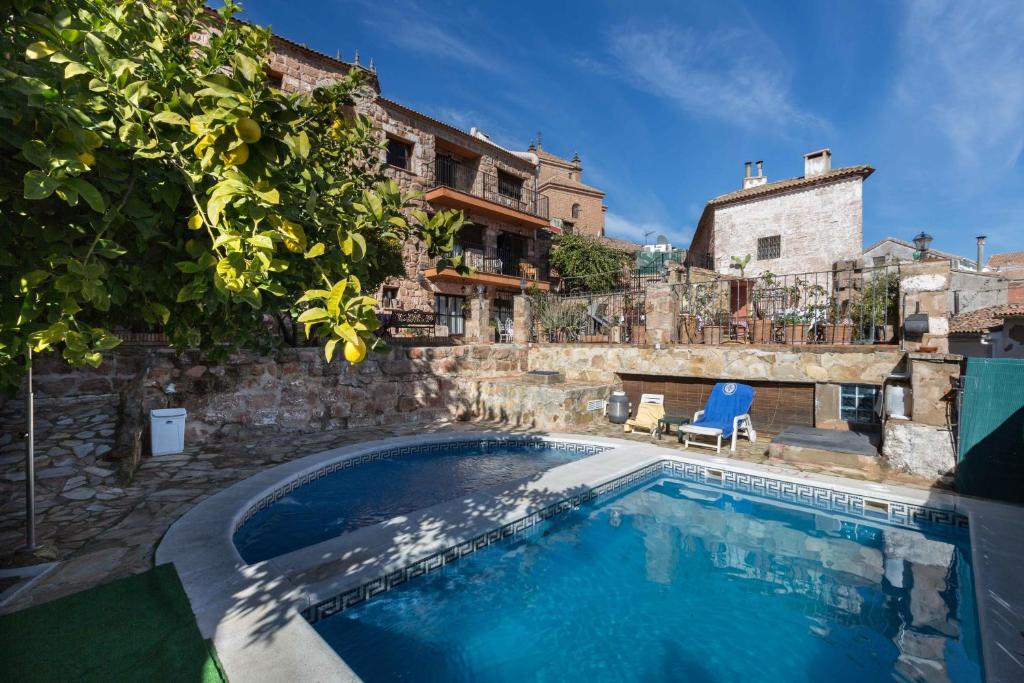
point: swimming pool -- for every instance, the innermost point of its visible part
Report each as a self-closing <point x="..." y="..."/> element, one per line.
<point x="676" y="580"/>
<point x="380" y="485"/>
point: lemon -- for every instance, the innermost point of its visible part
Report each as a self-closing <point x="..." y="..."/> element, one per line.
<point x="354" y="353"/>
<point x="87" y="158"/>
<point x="195" y="221"/>
<point x="248" y="130"/>
<point x="204" y="142"/>
<point x="237" y="156"/>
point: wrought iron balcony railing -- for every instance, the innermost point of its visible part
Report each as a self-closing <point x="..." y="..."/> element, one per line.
<point x="501" y="261"/>
<point x="503" y="189"/>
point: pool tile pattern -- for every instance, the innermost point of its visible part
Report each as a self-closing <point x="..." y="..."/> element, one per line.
<point x="807" y="495"/>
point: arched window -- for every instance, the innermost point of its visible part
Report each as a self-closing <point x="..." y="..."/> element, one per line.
<point x="575" y="210"/>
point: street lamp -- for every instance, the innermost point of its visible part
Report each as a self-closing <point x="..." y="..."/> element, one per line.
<point x="921" y="242"/>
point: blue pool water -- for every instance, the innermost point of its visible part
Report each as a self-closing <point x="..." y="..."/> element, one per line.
<point x="680" y="582"/>
<point x="376" y="491"/>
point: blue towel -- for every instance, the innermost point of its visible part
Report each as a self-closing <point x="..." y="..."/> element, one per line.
<point x="727" y="401"/>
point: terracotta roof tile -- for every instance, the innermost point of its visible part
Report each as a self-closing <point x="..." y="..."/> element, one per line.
<point x="792" y="183"/>
<point x="1010" y="258"/>
<point x="984" y="319"/>
<point x="622" y="245"/>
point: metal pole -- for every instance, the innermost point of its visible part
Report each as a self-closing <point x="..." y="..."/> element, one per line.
<point x="30" y="457"/>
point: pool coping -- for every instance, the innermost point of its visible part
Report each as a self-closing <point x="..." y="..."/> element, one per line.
<point x="254" y="612"/>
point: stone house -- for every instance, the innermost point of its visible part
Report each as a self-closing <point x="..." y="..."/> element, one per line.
<point x="991" y="332"/>
<point x="890" y="250"/>
<point x="798" y="225"/>
<point x="515" y="201"/>
<point x="575" y="206"/>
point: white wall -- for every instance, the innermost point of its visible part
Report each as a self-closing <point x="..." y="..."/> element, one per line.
<point x="819" y="225"/>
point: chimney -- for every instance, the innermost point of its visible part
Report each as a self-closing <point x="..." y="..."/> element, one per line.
<point x="753" y="181"/>
<point x="981" y="252"/>
<point x="817" y="163"/>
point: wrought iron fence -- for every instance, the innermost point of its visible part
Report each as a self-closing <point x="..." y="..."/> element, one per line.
<point x="611" y="317"/>
<point x="855" y="306"/>
<point x="504" y="189"/>
<point x="500" y="261"/>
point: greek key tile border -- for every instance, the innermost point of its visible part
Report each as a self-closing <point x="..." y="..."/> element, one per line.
<point x="899" y="514"/>
<point x="382" y="584"/>
<point x="490" y="443"/>
<point x="877" y="509"/>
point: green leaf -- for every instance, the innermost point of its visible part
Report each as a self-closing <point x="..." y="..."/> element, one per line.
<point x="74" y="69"/>
<point x="312" y="294"/>
<point x="313" y="315"/>
<point x="188" y="267"/>
<point x="261" y="242"/>
<point x="334" y="299"/>
<point x="347" y="332"/>
<point x="359" y="244"/>
<point x="316" y="250"/>
<point x="37" y="153"/>
<point x="38" y="185"/>
<point x="39" y="49"/>
<point x="88" y="192"/>
<point x="170" y="118"/>
<point x="246" y="66"/>
<point x="329" y="349"/>
<point x="159" y="311"/>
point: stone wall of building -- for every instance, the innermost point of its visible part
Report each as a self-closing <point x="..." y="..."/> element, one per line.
<point x="516" y="402"/>
<point x="819" y="226"/>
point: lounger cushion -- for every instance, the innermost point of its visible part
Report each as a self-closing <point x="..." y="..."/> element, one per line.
<point x="728" y="400"/>
<point x="647" y="416"/>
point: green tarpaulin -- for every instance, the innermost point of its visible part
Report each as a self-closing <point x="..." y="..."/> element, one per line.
<point x="991" y="454"/>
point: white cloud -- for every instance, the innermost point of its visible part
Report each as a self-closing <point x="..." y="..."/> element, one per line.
<point x="737" y="74"/>
<point x="622" y="227"/>
<point x="412" y="28"/>
<point x="964" y="75"/>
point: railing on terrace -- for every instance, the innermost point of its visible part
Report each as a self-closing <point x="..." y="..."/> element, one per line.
<point x="508" y="191"/>
<point x="421" y="328"/>
<point x="611" y="317"/>
<point x="500" y="261"/>
<point x="857" y="306"/>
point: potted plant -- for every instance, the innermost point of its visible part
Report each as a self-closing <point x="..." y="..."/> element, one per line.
<point x="794" y="325"/>
<point x="764" y="296"/>
<point x="713" y="329"/>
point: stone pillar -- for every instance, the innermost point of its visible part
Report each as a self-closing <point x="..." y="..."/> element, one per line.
<point x="521" y="317"/>
<point x="933" y="380"/>
<point x="924" y="288"/>
<point x="478" y="323"/>
<point x="661" y="307"/>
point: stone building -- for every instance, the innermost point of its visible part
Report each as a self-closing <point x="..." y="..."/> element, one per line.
<point x="890" y="250"/>
<point x="991" y="332"/>
<point x="798" y="225"/>
<point x="515" y="201"/>
<point x="575" y="206"/>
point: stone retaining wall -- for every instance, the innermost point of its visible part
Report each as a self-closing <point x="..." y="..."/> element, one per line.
<point x="296" y="390"/>
<point x="603" y="363"/>
<point x="518" y="403"/>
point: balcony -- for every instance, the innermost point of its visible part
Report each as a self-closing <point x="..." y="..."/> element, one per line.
<point x="502" y="196"/>
<point x="496" y="267"/>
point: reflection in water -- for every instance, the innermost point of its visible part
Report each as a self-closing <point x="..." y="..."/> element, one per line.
<point x="679" y="582"/>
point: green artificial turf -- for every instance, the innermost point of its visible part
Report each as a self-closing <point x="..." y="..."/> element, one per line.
<point x="136" y="629"/>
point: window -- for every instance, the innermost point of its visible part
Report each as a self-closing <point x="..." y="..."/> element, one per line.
<point x="878" y="260"/>
<point x="769" y="247"/>
<point x="448" y="311"/>
<point x="275" y="79"/>
<point x="399" y="154"/>
<point x="390" y="297"/>
<point x="568" y="227"/>
<point x="857" y="403"/>
<point x="575" y="210"/>
<point x="510" y="185"/>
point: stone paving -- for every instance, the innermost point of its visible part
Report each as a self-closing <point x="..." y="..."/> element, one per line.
<point x="113" y="531"/>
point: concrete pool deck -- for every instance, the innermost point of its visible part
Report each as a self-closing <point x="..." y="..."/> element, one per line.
<point x="253" y="613"/>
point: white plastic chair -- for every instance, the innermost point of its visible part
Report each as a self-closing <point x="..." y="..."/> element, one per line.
<point x="505" y="335"/>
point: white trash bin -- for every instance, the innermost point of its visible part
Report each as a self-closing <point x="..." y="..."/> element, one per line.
<point x="167" y="431"/>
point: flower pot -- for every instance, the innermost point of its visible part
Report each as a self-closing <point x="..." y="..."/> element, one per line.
<point x="838" y="334"/>
<point x="761" y="331"/>
<point x="688" y="330"/>
<point x="713" y="334"/>
<point x="795" y="334"/>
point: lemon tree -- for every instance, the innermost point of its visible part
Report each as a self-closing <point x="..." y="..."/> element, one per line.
<point x="151" y="179"/>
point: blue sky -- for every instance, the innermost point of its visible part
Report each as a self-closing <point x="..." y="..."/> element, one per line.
<point x="664" y="101"/>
